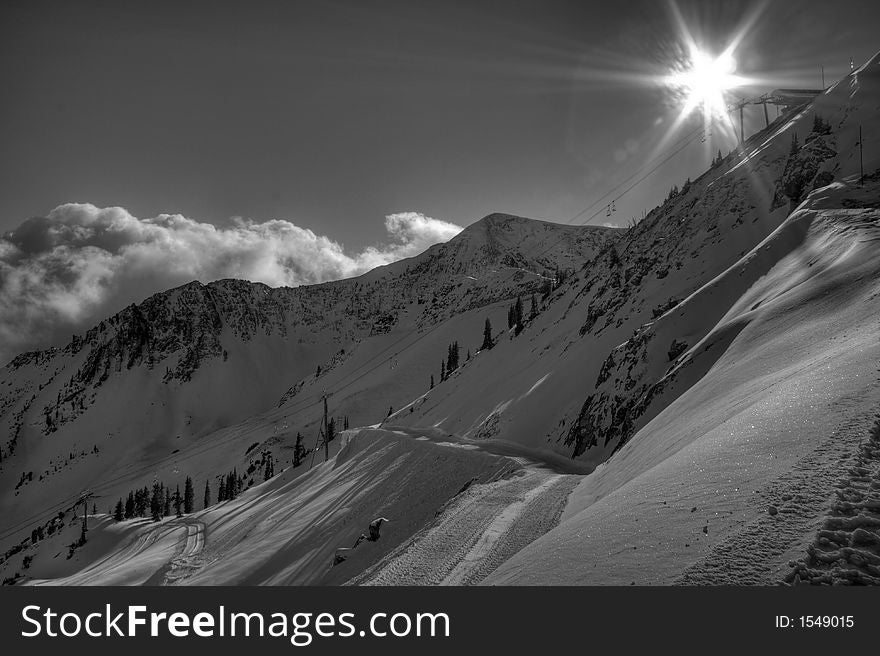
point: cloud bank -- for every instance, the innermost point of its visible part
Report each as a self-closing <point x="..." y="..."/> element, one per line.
<point x="64" y="272"/>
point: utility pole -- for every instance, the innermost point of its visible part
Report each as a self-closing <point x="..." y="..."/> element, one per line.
<point x="84" y="499"/>
<point x="326" y="432"/>
<point x="861" y="157"/>
<point x="323" y="432"/>
<point x="317" y="444"/>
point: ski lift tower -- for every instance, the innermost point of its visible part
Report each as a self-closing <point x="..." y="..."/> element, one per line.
<point x="763" y="100"/>
<point x="740" y="104"/>
<point x="785" y="99"/>
<point x="791" y="98"/>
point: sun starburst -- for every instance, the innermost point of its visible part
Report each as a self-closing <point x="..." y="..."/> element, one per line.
<point x="704" y="82"/>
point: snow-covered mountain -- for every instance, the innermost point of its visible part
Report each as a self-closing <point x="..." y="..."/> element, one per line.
<point x="675" y="382"/>
<point x="629" y="330"/>
<point x="163" y="376"/>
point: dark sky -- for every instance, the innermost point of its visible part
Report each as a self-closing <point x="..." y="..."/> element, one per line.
<point x="333" y="114"/>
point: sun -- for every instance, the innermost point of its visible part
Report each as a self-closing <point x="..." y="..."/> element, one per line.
<point x="704" y="81"/>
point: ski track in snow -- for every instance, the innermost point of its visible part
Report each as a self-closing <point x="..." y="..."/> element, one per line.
<point x="189" y="560"/>
<point x="480" y="529"/>
<point x="755" y="555"/>
<point x="846" y="550"/>
<point x="121" y="567"/>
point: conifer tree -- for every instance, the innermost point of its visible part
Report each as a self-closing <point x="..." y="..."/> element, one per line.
<point x="533" y="311"/>
<point x="231" y="485"/>
<point x="518" y="315"/>
<point x="167" y="508"/>
<point x="129" y="506"/>
<point x="156" y="502"/>
<point x="207" y="501"/>
<point x="613" y="257"/>
<point x="820" y="126"/>
<point x="451" y="358"/>
<point x="178" y="502"/>
<point x="119" y="513"/>
<point x="299" y="451"/>
<point x="487" y="335"/>
<point x="189" y="496"/>
<point x="141" y="502"/>
<point x="221" y="491"/>
<point x="269" y="470"/>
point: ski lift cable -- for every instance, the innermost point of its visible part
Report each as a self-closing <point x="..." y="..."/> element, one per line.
<point x="683" y="141"/>
<point x="681" y="144"/>
<point x="623" y="193"/>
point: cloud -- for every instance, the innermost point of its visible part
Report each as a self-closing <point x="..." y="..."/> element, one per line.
<point x="64" y="272"/>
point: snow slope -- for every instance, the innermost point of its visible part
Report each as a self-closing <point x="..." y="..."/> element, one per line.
<point x="185" y="382"/>
<point x="789" y="396"/>
<point x="711" y="371"/>
<point x="594" y="366"/>
<point x="287" y="530"/>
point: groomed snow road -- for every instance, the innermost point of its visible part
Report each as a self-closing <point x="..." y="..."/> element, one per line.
<point x="157" y="554"/>
<point x="480" y="528"/>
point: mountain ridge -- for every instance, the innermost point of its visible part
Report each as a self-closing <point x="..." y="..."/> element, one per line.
<point x="655" y="357"/>
<point x="144" y="373"/>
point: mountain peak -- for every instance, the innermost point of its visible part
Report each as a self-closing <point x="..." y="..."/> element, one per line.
<point x="500" y="219"/>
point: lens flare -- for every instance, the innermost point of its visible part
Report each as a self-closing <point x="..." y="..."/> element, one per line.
<point x="704" y="81"/>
